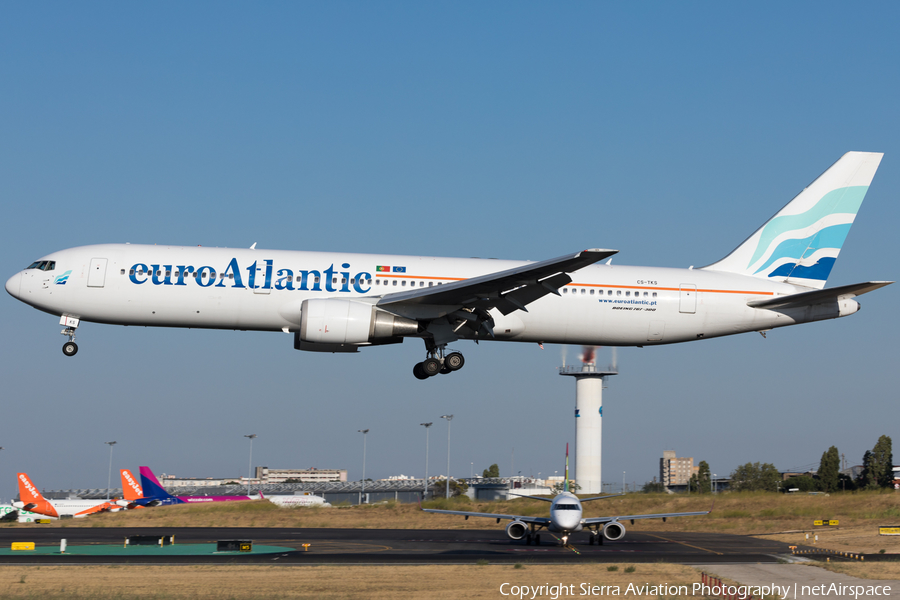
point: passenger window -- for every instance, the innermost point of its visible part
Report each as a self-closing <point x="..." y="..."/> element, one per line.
<point x="131" y="272"/>
<point x="592" y="292"/>
<point x="430" y="284"/>
<point x="618" y="292"/>
<point x="343" y="280"/>
<point x="565" y="290"/>
<point x="654" y="294"/>
<point x="122" y="272"/>
<point x="353" y="281"/>
<point x="627" y="294"/>
<point x="334" y="280"/>
<point x="168" y="273"/>
<point x="609" y="293"/>
<point x="317" y="279"/>
<point x="369" y="281"/>
<point x="645" y="294"/>
<point x="582" y="291"/>
<point x="395" y="282"/>
<point x="231" y="276"/>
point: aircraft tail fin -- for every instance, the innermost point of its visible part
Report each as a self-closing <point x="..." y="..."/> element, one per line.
<point x="28" y="492"/>
<point x="131" y="489"/>
<point x="800" y="244"/>
<point x="152" y="487"/>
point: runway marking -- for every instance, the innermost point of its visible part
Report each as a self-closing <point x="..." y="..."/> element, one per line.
<point x="686" y="544"/>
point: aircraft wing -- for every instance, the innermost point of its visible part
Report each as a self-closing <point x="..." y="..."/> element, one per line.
<point x="508" y="291"/>
<point x="539" y="520"/>
<point x="819" y="296"/>
<point x="636" y="517"/>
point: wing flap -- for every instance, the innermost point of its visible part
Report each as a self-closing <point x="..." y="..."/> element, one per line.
<point x="819" y="296"/>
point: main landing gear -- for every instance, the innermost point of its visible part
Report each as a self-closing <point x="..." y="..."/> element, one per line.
<point x="70" y="348"/>
<point x="437" y="363"/>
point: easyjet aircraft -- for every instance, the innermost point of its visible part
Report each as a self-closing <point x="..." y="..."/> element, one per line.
<point x="31" y="499"/>
<point x="340" y="302"/>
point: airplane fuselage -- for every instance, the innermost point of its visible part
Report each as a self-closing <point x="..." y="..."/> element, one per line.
<point x="240" y="289"/>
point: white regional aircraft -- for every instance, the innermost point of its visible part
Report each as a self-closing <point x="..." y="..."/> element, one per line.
<point x="298" y="501"/>
<point x="339" y="302"/>
<point x="566" y="518"/>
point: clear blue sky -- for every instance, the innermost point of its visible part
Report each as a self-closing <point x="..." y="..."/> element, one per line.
<point x="513" y="130"/>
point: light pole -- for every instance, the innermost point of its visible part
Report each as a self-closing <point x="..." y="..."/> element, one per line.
<point x="362" y="494"/>
<point x="471" y="470"/>
<point x="426" y="426"/>
<point x="623" y="482"/>
<point x="713" y="482"/>
<point x="109" y="478"/>
<point x="252" y="436"/>
<point x="447" y="488"/>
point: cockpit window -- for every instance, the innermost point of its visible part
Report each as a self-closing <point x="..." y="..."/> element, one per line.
<point x="43" y="265"/>
<point x="566" y="507"/>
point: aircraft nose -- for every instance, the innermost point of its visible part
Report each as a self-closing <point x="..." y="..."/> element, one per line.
<point x="13" y="284"/>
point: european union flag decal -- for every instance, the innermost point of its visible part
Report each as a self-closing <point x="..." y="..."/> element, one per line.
<point x="399" y="269"/>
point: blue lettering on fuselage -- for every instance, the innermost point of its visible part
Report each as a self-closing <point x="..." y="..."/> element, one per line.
<point x="268" y="277"/>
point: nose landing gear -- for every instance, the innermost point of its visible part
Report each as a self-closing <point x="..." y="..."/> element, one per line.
<point x="70" y="348"/>
<point x="438" y="363"/>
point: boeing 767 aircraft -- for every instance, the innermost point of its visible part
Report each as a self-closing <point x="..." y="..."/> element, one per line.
<point x="340" y="302"/>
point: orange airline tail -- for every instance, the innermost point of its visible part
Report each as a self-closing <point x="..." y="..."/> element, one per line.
<point x="28" y="493"/>
<point x="131" y="489"/>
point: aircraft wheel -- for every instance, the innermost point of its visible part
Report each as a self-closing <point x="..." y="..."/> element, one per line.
<point x="70" y="348"/>
<point x="454" y="361"/>
<point x="445" y="370"/>
<point x="419" y="372"/>
<point x="431" y="366"/>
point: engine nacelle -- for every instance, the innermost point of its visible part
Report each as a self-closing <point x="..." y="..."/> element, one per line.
<point x="337" y="321"/>
<point x="517" y="530"/>
<point x="613" y="531"/>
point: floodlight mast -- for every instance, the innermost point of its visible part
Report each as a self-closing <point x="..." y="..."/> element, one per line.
<point x="252" y="436"/>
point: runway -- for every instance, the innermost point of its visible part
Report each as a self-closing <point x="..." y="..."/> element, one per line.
<point x="379" y="546"/>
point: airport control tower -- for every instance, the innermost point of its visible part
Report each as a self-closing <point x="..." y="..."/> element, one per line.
<point x="588" y="420"/>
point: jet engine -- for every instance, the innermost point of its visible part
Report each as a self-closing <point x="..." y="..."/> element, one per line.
<point x="613" y="531"/>
<point x="517" y="530"/>
<point x="338" y="321"/>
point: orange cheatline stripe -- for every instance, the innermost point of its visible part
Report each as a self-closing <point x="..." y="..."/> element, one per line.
<point x="671" y="289"/>
<point x="600" y="285"/>
<point x="421" y="277"/>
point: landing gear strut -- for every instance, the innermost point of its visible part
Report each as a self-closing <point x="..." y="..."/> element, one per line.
<point x="70" y="348"/>
<point x="437" y="363"/>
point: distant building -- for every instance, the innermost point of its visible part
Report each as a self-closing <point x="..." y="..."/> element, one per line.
<point x="310" y="475"/>
<point x="675" y="471"/>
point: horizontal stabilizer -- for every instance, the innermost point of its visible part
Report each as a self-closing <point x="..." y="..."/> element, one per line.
<point x="819" y="296"/>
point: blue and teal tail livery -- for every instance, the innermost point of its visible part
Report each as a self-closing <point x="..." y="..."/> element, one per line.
<point x="800" y="244"/>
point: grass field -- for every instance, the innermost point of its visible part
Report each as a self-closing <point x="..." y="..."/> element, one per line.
<point x="370" y="582"/>
<point x="739" y="513"/>
<point x="767" y="515"/>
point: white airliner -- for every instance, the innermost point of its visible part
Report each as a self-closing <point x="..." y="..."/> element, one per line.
<point x="566" y="518"/>
<point x="298" y="501"/>
<point x="339" y="302"/>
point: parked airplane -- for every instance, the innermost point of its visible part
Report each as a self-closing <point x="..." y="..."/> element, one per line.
<point x="154" y="494"/>
<point x="298" y="500"/>
<point x="131" y="490"/>
<point x="566" y="518"/>
<point x="32" y="500"/>
<point x="339" y="302"/>
<point x="8" y="512"/>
